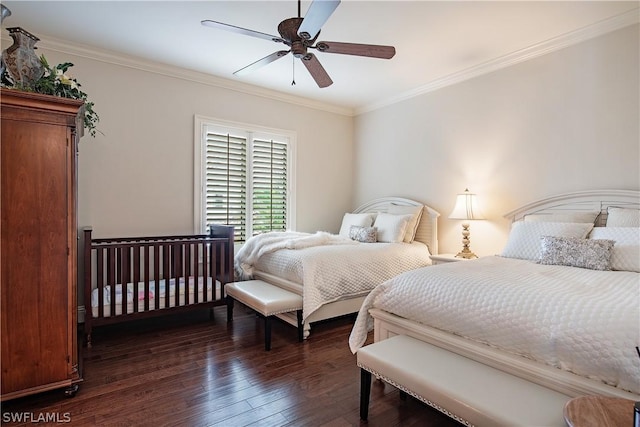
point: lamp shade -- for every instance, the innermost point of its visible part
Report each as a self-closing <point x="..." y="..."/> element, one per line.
<point x="466" y="207"/>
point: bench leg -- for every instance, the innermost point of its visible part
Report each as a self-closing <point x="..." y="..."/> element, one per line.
<point x="229" y="309"/>
<point x="267" y="333"/>
<point x="300" y="326"/>
<point x="365" y="392"/>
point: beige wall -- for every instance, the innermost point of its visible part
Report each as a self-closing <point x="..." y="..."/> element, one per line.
<point x="561" y="122"/>
<point x="137" y="178"/>
<point x="565" y="121"/>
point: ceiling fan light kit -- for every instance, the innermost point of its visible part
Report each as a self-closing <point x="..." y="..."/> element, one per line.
<point x="300" y="35"/>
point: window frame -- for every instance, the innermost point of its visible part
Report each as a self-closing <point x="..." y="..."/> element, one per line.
<point x="201" y="126"/>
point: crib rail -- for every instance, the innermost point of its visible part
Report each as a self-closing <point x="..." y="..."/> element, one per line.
<point x="133" y="277"/>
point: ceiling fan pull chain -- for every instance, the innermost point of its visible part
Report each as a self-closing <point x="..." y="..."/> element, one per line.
<point x="293" y="71"/>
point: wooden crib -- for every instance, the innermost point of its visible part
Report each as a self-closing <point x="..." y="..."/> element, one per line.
<point x="129" y="278"/>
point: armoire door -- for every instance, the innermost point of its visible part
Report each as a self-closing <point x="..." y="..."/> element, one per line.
<point x="35" y="255"/>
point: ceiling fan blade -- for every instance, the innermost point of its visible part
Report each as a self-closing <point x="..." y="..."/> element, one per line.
<point x="261" y="62"/>
<point x="240" y="30"/>
<point x="316" y="70"/>
<point x="318" y="13"/>
<point x="370" y="50"/>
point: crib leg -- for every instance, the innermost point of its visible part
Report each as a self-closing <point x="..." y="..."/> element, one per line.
<point x="87" y="333"/>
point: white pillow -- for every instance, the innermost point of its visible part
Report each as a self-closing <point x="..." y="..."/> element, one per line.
<point x="412" y="226"/>
<point x="391" y="228"/>
<point x="626" y="252"/>
<point x="524" y="239"/>
<point x="349" y="219"/>
<point x="564" y="217"/>
<point x="623" y="217"/>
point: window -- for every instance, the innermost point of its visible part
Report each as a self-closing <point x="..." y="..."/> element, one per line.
<point x="244" y="177"/>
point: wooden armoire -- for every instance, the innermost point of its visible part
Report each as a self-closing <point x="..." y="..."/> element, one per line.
<point x="38" y="273"/>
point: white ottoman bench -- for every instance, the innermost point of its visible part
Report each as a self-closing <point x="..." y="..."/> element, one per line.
<point x="468" y="391"/>
<point x="266" y="300"/>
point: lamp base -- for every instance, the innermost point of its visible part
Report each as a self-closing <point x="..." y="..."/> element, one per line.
<point x="466" y="254"/>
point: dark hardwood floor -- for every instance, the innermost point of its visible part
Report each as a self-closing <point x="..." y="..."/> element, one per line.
<point x="186" y="370"/>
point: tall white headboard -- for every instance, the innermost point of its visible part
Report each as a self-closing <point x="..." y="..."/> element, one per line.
<point x="580" y="201"/>
<point x="427" y="232"/>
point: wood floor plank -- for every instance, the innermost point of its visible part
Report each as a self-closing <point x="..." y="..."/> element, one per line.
<point x="189" y="370"/>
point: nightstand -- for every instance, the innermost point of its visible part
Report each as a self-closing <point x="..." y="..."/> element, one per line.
<point x="444" y="258"/>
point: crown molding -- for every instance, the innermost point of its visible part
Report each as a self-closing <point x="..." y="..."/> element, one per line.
<point x="599" y="28"/>
<point x="90" y="52"/>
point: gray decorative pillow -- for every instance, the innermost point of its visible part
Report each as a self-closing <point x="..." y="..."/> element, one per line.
<point x="575" y="252"/>
<point x="363" y="234"/>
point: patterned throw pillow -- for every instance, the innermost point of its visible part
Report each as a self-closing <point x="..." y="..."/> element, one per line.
<point x="574" y="252"/>
<point x="363" y="234"/>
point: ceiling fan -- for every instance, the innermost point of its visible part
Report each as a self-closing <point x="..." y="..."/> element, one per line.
<point x="300" y="34"/>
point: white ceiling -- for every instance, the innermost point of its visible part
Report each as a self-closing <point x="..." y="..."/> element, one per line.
<point x="433" y="39"/>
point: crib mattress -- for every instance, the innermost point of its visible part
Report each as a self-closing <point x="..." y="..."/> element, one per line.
<point x="207" y="292"/>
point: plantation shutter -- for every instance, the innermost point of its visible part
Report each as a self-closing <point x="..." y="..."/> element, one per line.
<point x="269" y="180"/>
<point x="226" y="188"/>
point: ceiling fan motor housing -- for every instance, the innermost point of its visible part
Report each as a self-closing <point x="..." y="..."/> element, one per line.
<point x="288" y="29"/>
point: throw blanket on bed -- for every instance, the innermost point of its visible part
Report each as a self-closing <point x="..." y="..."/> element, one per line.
<point x="579" y="320"/>
<point x="262" y="244"/>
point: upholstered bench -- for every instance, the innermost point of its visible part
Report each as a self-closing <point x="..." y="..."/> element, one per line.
<point x="266" y="300"/>
<point x="468" y="391"/>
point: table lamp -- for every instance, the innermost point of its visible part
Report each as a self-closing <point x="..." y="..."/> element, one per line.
<point x="466" y="209"/>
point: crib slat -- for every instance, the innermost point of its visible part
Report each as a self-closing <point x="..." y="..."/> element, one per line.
<point x="100" y="281"/>
<point x="136" y="276"/>
<point x="156" y="274"/>
<point x="124" y="280"/>
<point x="111" y="281"/>
<point x="186" y="273"/>
<point x="167" y="276"/>
<point x="175" y="274"/>
<point x="212" y="262"/>
<point x="196" y="276"/>
<point x="146" y="262"/>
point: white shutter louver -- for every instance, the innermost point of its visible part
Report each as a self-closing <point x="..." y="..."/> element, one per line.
<point x="226" y="189"/>
<point x="269" y="179"/>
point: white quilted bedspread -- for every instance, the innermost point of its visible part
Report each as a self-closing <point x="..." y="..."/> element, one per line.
<point x="583" y="321"/>
<point x="334" y="272"/>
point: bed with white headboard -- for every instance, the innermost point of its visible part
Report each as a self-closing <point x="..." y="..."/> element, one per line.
<point x="559" y="307"/>
<point x="343" y="288"/>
